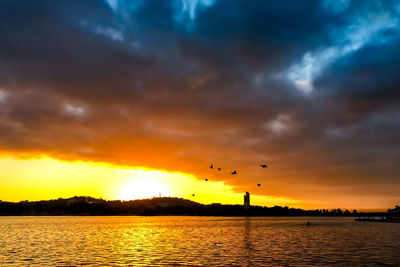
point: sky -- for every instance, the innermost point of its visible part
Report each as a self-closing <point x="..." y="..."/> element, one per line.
<point x="100" y="97"/>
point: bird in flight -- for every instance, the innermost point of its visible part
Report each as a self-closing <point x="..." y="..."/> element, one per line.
<point x="234" y="172"/>
<point x="263" y="166"/>
<point x="206" y="179"/>
<point x="212" y="166"/>
<point x="193" y="195"/>
<point x="219" y="169"/>
<point x="258" y="185"/>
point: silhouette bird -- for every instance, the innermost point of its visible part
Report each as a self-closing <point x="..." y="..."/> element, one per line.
<point x="212" y="166"/>
<point x="219" y="169"/>
<point x="206" y="179"/>
<point x="258" y="185"/>
<point x="263" y="166"/>
<point x="193" y="195"/>
<point x="234" y="172"/>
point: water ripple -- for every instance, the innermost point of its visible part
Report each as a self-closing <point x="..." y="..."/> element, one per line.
<point x="196" y="241"/>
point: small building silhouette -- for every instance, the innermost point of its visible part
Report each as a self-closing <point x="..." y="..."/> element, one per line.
<point x="396" y="209"/>
<point x="246" y="203"/>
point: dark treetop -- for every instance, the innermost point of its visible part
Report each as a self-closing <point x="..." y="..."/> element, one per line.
<point x="149" y="207"/>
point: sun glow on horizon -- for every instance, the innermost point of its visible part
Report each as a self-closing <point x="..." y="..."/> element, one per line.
<point x="147" y="185"/>
<point x="43" y="178"/>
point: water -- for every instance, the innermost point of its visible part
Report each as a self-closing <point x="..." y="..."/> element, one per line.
<point x="196" y="241"/>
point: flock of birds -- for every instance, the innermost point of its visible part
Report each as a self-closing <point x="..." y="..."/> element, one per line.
<point x="264" y="166"/>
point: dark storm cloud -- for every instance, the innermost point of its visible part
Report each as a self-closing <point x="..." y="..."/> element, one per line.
<point x="311" y="87"/>
<point x="365" y="81"/>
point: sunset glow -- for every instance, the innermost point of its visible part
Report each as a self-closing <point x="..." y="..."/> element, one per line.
<point x="147" y="186"/>
<point x="130" y="99"/>
<point x="68" y="179"/>
<point x="199" y="132"/>
<point x="46" y="178"/>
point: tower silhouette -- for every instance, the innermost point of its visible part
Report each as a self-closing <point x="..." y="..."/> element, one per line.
<point x="246" y="203"/>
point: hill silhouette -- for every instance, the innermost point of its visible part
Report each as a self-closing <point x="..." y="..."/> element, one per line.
<point x="85" y="205"/>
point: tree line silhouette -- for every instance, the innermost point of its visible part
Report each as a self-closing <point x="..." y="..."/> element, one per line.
<point x="151" y="207"/>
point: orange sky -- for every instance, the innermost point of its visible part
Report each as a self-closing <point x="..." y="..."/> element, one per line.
<point x="45" y="178"/>
<point x="101" y="89"/>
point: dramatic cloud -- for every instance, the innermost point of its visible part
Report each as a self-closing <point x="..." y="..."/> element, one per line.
<point x="363" y="29"/>
<point x="309" y="87"/>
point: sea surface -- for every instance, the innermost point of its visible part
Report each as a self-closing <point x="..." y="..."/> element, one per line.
<point x="197" y="241"/>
